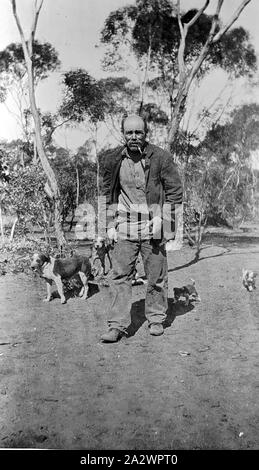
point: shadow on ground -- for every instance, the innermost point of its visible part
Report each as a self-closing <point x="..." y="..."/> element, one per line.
<point x="174" y="310"/>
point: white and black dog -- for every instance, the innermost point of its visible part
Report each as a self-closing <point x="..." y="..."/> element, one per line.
<point x="101" y="251"/>
<point x="57" y="270"/>
<point x="248" y="279"/>
<point x="187" y="292"/>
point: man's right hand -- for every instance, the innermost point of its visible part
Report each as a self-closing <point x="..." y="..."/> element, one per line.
<point x="112" y="235"/>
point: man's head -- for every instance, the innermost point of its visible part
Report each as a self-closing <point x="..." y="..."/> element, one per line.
<point x="134" y="129"/>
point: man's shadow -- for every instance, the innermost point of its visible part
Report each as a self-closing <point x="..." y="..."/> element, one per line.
<point x="174" y="310"/>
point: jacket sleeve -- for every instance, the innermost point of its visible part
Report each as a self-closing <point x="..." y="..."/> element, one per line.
<point x="106" y="209"/>
<point x="106" y="190"/>
<point x="173" y="195"/>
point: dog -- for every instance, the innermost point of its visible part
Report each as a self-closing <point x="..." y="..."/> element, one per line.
<point x="101" y="250"/>
<point x="188" y="292"/>
<point x="57" y="270"/>
<point x="248" y="279"/>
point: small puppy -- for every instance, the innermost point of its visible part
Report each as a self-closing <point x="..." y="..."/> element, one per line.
<point x="188" y="292"/>
<point x="248" y="279"/>
<point x="52" y="269"/>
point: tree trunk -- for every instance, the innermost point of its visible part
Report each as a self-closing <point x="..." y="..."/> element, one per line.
<point x="185" y="80"/>
<point x="77" y="186"/>
<point x="253" y="195"/>
<point x="22" y="158"/>
<point x="13" y="229"/>
<point x="34" y="150"/>
<point x="144" y="82"/>
<point x="47" y="168"/>
<point x="28" y="52"/>
<point x="46" y="226"/>
<point x="1" y="224"/>
<point x="200" y="232"/>
<point x="58" y="224"/>
<point x="177" y="115"/>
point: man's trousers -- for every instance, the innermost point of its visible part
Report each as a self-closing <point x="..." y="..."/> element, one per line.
<point x="124" y="258"/>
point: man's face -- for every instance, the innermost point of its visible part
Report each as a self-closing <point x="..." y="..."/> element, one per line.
<point x="134" y="133"/>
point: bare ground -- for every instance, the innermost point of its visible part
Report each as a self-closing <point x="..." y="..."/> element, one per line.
<point x="61" y="388"/>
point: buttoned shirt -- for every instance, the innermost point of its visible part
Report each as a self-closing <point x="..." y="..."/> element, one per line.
<point x="133" y="213"/>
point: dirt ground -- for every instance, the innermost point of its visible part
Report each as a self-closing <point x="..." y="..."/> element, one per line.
<point x="61" y="388"/>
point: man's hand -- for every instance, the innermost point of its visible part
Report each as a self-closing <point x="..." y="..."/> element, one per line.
<point x="112" y="235"/>
<point x="155" y="225"/>
<point x="173" y="245"/>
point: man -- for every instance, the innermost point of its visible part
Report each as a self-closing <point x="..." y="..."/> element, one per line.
<point x="140" y="179"/>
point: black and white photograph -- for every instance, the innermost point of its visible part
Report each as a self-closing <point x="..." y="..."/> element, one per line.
<point x="129" y="228"/>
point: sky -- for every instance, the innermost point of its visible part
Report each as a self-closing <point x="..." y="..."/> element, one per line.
<point x="73" y="28"/>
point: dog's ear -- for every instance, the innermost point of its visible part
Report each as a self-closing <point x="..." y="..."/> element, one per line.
<point x="244" y="271"/>
<point x="255" y="273"/>
<point x="193" y="281"/>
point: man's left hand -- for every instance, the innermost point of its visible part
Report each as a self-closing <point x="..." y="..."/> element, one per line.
<point x="173" y="245"/>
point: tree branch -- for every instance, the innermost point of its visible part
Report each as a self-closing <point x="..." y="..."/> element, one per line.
<point x="180" y="55"/>
<point x="49" y="135"/>
<point x="219" y="6"/>
<point x="144" y="81"/>
<point x="13" y="2"/>
<point x="35" y="20"/>
<point x="179" y="17"/>
<point x="184" y="30"/>
<point x="185" y="79"/>
<point x="232" y="20"/>
<point x="212" y="105"/>
<point x="198" y="14"/>
<point x="203" y="53"/>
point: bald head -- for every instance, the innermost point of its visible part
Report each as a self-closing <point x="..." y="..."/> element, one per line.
<point x="134" y="130"/>
<point x="134" y="117"/>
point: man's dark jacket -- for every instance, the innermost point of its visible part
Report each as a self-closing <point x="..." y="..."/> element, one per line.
<point x="163" y="184"/>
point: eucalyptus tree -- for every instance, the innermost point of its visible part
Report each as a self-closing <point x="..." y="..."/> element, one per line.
<point x="176" y="47"/>
<point x="28" y="52"/>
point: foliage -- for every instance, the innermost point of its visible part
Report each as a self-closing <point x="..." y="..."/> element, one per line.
<point x="23" y="184"/>
<point x="154" y="114"/>
<point x="14" y="78"/>
<point x="66" y="167"/>
<point x="87" y="174"/>
<point x="154" y="23"/>
<point x="118" y="92"/>
<point x="4" y="168"/>
<point x="235" y="54"/>
<point x="44" y="60"/>
<point x="108" y="100"/>
<point x="171" y="52"/>
<point x="16" y="256"/>
<point x="220" y="182"/>
<point x="24" y="195"/>
<point x="83" y="97"/>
